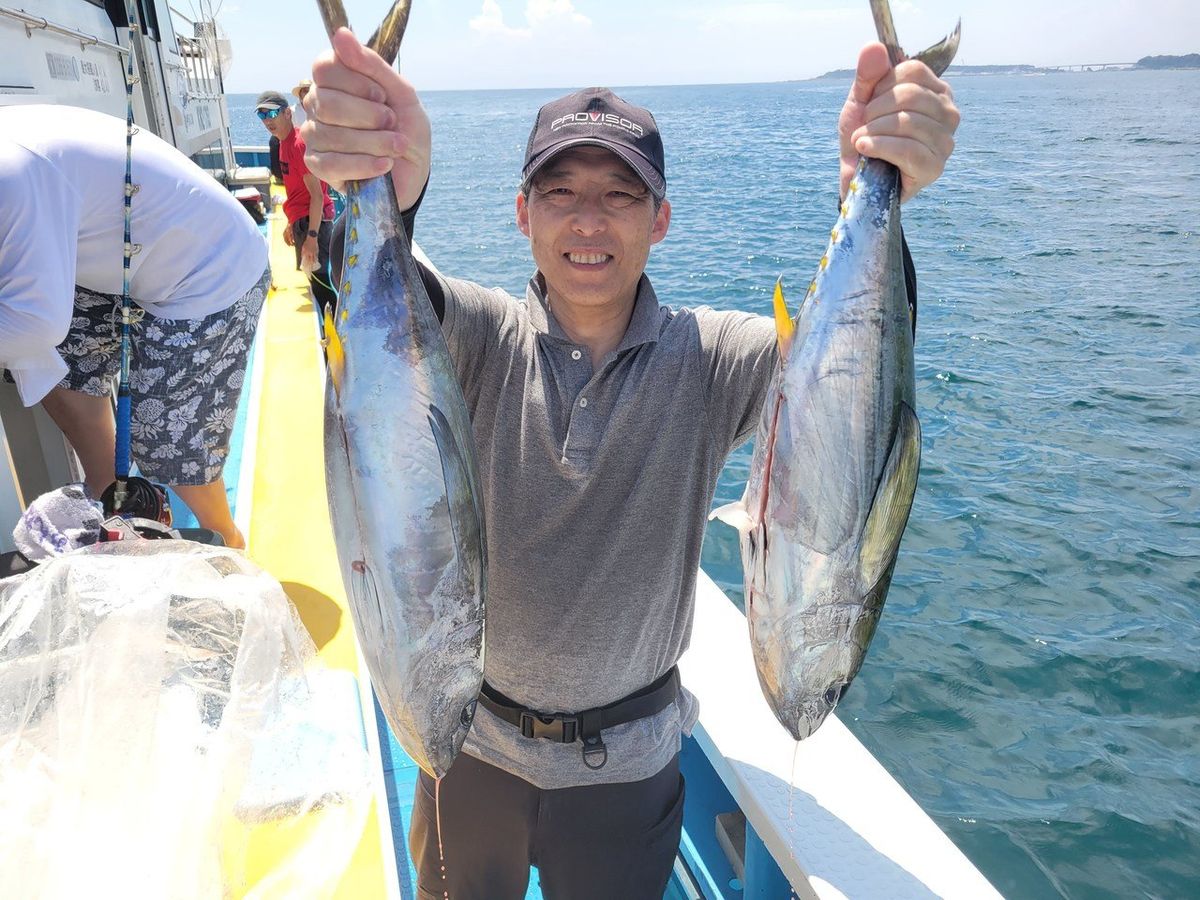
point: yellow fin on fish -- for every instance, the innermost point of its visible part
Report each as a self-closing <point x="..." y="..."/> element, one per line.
<point x="335" y="354"/>
<point x="785" y="328"/>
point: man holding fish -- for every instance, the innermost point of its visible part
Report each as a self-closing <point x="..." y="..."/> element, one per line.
<point x="602" y="420"/>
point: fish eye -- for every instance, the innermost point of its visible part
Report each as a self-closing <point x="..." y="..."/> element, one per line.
<point x="834" y="694"/>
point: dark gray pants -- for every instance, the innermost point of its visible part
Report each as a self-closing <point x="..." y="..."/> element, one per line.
<point x="319" y="281"/>
<point x="597" y="842"/>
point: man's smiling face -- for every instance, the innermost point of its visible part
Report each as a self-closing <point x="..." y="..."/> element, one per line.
<point x="591" y="222"/>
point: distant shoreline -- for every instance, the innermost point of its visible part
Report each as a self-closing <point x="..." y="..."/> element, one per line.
<point x="1146" y="63"/>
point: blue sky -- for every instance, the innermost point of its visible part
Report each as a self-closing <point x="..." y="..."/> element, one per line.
<point x="471" y="44"/>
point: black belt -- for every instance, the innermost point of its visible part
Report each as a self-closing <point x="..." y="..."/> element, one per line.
<point x="566" y="728"/>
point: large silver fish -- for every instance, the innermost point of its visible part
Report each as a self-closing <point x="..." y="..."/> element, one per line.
<point x="401" y="476"/>
<point x="837" y="452"/>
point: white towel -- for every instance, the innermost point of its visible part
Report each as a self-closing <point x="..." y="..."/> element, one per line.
<point x="58" y="522"/>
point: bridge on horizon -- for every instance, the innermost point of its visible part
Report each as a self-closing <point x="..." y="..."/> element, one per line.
<point x="1089" y="67"/>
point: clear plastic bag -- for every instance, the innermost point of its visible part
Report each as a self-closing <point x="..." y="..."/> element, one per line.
<point x="159" y="702"/>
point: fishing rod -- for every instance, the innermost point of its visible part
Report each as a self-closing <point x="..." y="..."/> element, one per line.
<point x="130" y="496"/>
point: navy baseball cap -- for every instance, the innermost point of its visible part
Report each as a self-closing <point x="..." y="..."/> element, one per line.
<point x="597" y="117"/>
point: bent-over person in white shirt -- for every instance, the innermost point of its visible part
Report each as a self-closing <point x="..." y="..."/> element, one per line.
<point x="198" y="277"/>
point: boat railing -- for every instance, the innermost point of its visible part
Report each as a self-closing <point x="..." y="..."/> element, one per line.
<point x="32" y="22"/>
<point x="203" y="58"/>
<point x="823" y="818"/>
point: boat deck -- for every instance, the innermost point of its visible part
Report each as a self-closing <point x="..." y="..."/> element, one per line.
<point x="282" y="511"/>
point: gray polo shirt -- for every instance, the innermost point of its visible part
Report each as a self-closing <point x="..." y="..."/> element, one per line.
<point x="597" y="485"/>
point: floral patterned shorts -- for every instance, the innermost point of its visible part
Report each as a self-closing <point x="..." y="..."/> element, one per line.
<point x="185" y="377"/>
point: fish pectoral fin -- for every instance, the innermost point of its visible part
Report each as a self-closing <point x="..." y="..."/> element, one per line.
<point x="365" y="594"/>
<point x="893" y="501"/>
<point x="335" y="353"/>
<point x="939" y="56"/>
<point x="466" y="515"/>
<point x="734" y="514"/>
<point x="785" y="327"/>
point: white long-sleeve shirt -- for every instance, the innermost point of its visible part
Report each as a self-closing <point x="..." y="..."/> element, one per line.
<point x="62" y="189"/>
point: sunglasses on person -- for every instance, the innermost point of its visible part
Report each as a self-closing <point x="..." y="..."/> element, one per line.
<point x="265" y="114"/>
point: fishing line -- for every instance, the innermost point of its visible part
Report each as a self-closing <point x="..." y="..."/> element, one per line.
<point x="437" y="816"/>
<point x="791" y="826"/>
<point x="323" y="283"/>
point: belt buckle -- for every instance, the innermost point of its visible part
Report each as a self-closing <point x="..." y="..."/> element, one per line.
<point x="560" y="729"/>
<point x="570" y="729"/>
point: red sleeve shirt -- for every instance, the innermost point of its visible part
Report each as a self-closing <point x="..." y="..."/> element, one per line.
<point x="291" y="162"/>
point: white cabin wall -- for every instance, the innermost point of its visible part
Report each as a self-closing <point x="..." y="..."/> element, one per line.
<point x="68" y="52"/>
<point x="43" y="65"/>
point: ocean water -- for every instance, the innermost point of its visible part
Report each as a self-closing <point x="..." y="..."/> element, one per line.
<point x="1034" y="682"/>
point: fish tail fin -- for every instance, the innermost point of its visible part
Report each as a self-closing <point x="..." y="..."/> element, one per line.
<point x="333" y="14"/>
<point x="734" y="514"/>
<point x="937" y="57"/>
<point x="882" y="13"/>
<point x="386" y="39"/>
<point x="785" y="328"/>
<point x="335" y="353"/>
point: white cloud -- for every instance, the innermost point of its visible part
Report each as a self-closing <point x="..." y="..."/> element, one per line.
<point x="554" y="12"/>
<point x="772" y="15"/>
<point x="541" y="17"/>
<point x="490" y="23"/>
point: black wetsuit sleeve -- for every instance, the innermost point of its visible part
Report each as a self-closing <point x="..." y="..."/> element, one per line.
<point x="910" y="282"/>
<point x="433" y="285"/>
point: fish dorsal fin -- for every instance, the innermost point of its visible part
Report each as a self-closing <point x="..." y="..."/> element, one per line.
<point x="466" y="516"/>
<point x="785" y="327"/>
<point x="893" y="501"/>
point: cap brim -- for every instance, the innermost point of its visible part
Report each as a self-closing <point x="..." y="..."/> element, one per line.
<point x="643" y="167"/>
<point x="270" y="104"/>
